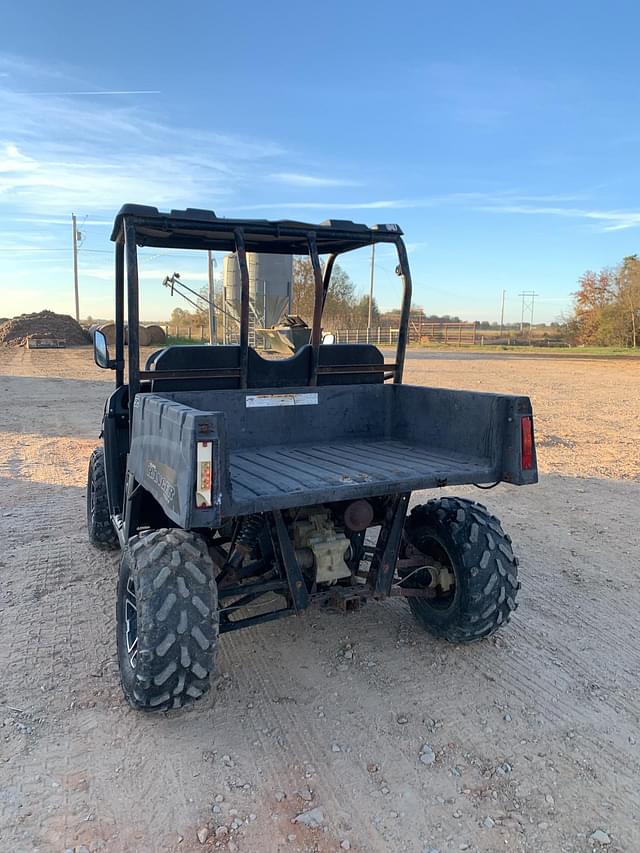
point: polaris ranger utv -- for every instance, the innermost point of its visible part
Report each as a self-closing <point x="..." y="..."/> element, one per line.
<point x="225" y="477"/>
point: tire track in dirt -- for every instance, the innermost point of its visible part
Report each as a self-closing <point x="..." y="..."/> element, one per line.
<point x="299" y="736"/>
<point x="565" y="671"/>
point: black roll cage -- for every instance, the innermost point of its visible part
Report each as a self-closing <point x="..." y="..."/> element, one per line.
<point x="138" y="225"/>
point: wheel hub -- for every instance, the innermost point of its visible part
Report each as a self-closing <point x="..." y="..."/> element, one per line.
<point x="441" y="577"/>
<point x="431" y="572"/>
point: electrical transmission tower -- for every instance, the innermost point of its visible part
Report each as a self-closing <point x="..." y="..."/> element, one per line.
<point x="528" y="302"/>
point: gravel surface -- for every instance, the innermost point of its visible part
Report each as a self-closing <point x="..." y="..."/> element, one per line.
<point x="525" y="742"/>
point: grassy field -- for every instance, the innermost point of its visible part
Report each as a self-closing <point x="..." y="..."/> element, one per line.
<point x="541" y="350"/>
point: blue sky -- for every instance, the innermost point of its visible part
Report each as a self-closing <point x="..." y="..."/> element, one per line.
<point x="502" y="137"/>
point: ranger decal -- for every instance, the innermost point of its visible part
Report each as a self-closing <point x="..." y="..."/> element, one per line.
<point x="164" y="478"/>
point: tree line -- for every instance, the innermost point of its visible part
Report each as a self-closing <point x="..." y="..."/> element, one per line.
<point x="345" y="307"/>
<point x="607" y="306"/>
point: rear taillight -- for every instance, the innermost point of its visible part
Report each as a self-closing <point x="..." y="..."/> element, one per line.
<point x="526" y="433"/>
<point x="204" y="473"/>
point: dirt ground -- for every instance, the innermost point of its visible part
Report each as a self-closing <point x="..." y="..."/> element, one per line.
<point x="535" y="732"/>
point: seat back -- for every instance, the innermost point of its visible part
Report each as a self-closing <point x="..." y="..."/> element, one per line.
<point x="262" y="372"/>
<point x="349" y="354"/>
<point x="196" y="357"/>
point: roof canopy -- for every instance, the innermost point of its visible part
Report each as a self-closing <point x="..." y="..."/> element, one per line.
<point x="202" y="229"/>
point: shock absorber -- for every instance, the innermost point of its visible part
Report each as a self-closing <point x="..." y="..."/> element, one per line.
<point x="246" y="540"/>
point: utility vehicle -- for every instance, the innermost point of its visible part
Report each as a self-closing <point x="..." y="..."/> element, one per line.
<point x="240" y="488"/>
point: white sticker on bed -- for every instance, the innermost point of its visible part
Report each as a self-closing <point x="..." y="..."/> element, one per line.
<point x="258" y="401"/>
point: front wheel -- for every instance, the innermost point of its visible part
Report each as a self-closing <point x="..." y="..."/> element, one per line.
<point x="469" y="568"/>
<point x="166" y="619"/>
<point x="101" y="532"/>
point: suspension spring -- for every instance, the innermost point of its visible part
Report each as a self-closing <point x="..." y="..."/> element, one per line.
<point x="246" y="541"/>
<point x="250" y="530"/>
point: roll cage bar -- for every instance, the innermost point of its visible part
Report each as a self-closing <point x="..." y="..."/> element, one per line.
<point x="138" y="225"/>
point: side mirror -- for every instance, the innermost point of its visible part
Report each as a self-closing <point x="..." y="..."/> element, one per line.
<point x="101" y="350"/>
<point x="329" y="338"/>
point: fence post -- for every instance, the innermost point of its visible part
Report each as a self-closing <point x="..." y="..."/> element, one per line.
<point x="190" y="327"/>
<point x="201" y="333"/>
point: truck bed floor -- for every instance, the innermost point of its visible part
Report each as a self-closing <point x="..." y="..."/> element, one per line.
<point x="280" y="476"/>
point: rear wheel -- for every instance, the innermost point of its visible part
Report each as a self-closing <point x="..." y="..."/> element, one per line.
<point x="469" y="567"/>
<point x="167" y="619"/>
<point x="101" y="532"/>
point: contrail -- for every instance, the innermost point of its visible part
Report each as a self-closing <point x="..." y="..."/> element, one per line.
<point x="125" y="92"/>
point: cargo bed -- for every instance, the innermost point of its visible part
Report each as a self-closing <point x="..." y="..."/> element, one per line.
<point x="313" y="473"/>
<point x="278" y="448"/>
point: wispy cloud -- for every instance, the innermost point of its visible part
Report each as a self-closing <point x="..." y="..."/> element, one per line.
<point x="61" y="220"/>
<point x="59" y="153"/>
<point x="157" y="274"/>
<point x="502" y="202"/>
<point x="297" y="179"/>
<point x="611" y="220"/>
<point x="463" y="199"/>
<point x="331" y="205"/>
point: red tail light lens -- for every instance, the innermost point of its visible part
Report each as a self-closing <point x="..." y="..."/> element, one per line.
<point x="526" y="432"/>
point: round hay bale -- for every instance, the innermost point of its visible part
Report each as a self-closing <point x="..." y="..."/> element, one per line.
<point x="157" y="334"/>
<point x="109" y="331"/>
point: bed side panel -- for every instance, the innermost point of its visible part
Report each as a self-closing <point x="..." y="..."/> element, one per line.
<point x="163" y="457"/>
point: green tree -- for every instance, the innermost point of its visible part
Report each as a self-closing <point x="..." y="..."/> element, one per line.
<point x="341" y="297"/>
<point x="180" y="317"/>
<point x="593" y="300"/>
<point x="629" y="296"/>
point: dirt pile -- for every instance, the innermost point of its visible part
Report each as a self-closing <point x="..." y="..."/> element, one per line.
<point x="42" y="324"/>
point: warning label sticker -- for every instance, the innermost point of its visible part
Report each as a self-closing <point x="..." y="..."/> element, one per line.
<point x="259" y="401"/>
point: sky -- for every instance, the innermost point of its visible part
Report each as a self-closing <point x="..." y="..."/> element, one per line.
<point x="502" y="137"/>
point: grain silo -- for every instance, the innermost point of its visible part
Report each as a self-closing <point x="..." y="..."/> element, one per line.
<point x="270" y="288"/>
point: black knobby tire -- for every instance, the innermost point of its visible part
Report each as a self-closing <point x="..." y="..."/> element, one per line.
<point x="465" y="537"/>
<point x="167" y="619"/>
<point x="101" y="531"/>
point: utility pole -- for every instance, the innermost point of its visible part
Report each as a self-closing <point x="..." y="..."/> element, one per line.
<point x="74" y="237"/>
<point x="528" y="301"/>
<point x="504" y="292"/>
<point x="213" y="332"/>
<point x="373" y="261"/>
